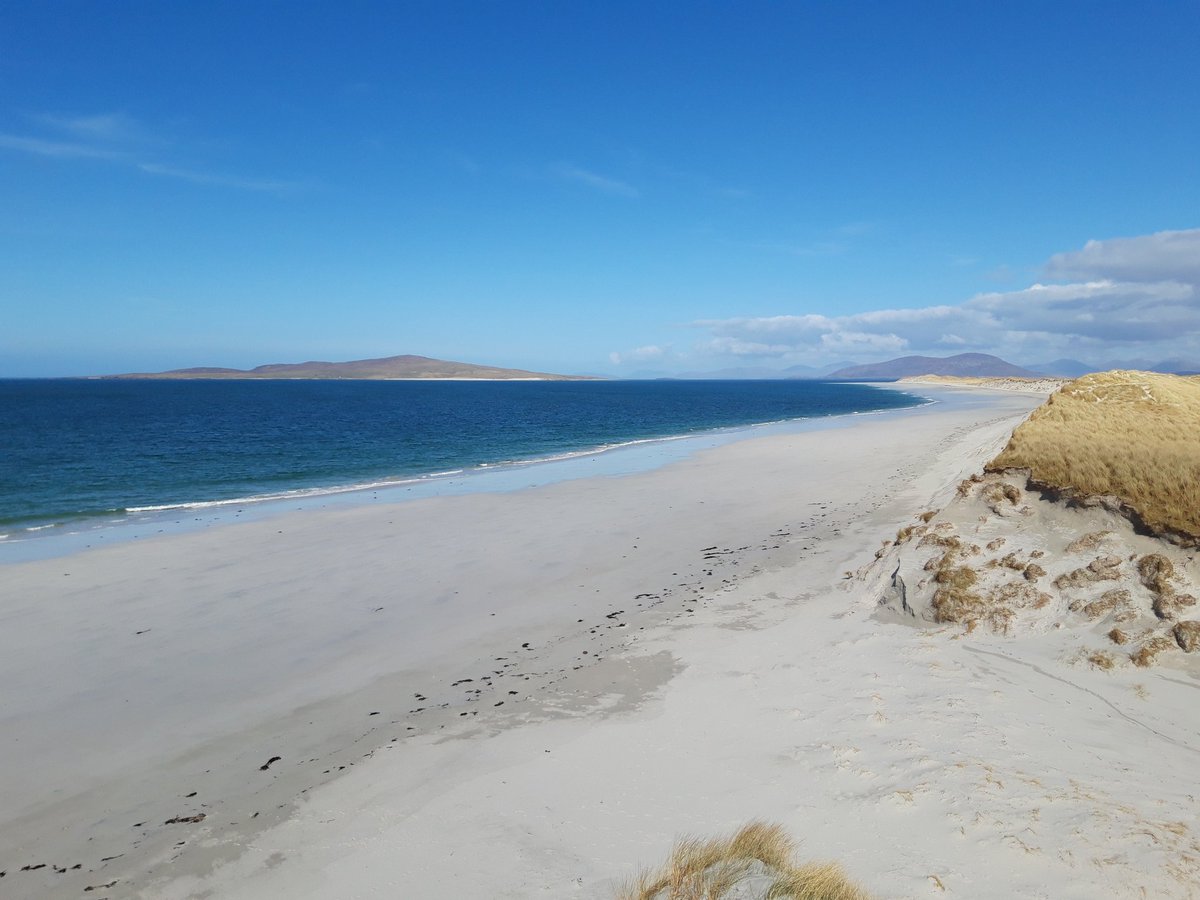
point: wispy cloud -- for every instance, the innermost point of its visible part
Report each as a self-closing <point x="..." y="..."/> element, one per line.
<point x="466" y="163"/>
<point x="733" y="193"/>
<point x="122" y="140"/>
<point x="855" y="229"/>
<point x="57" y="149"/>
<point x="569" y="172"/>
<point x="108" y="127"/>
<point x="698" y="181"/>
<point x="233" y="181"/>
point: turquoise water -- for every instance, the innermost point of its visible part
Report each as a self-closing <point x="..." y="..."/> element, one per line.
<point x="76" y="450"/>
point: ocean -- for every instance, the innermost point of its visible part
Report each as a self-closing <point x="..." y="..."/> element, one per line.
<point x="85" y="450"/>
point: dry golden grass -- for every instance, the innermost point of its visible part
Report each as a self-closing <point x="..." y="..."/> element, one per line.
<point x="954" y="601"/>
<point x="1170" y="606"/>
<point x="1102" y="568"/>
<point x="971" y="595"/>
<point x="816" y="881"/>
<point x="709" y="870"/>
<point x="1131" y="435"/>
<point x="1014" y="562"/>
<point x="1033" y="572"/>
<point x="1089" y="541"/>
<point x="1156" y="572"/>
<point x="1187" y="636"/>
<point x="967" y="485"/>
<point x="997" y="493"/>
<point x="1109" y="600"/>
<point x="935" y="539"/>
<point x="1150" y="650"/>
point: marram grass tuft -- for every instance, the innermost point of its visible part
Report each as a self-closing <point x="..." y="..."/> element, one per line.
<point x="758" y="859"/>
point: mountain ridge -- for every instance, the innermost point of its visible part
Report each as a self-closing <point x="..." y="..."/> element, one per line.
<point x="975" y="364"/>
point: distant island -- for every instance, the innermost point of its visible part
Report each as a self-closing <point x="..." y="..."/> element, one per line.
<point x="974" y="364"/>
<point x="406" y="367"/>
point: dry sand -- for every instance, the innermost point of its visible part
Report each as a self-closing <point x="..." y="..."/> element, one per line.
<point x="677" y="651"/>
<point x="1040" y="385"/>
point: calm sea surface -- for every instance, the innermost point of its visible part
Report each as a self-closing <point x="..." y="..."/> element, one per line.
<point x="73" y="450"/>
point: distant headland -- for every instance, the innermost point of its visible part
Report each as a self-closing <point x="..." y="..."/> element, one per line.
<point x="406" y="367"/>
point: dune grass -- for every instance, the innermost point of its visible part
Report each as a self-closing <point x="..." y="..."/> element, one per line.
<point x="759" y="857"/>
<point x="1130" y="435"/>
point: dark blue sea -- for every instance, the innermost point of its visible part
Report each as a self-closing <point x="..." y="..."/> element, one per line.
<point x="77" y="450"/>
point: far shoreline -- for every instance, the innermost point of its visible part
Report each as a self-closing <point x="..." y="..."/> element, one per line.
<point x="59" y="539"/>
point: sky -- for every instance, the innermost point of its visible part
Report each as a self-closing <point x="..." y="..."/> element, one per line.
<point x="607" y="188"/>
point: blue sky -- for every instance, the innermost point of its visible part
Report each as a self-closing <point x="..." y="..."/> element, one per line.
<point x="607" y="188"/>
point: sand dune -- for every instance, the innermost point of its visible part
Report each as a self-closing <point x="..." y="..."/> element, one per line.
<point x="535" y="693"/>
<point x="1133" y="437"/>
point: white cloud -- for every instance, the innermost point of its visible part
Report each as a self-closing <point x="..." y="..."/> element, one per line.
<point x="1108" y="310"/>
<point x="1129" y="295"/>
<point x="862" y="341"/>
<point x="1166" y="255"/>
<point x="569" y="172"/>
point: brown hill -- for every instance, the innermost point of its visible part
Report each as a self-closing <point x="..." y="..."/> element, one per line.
<point x="390" y="367"/>
<point x="979" y="364"/>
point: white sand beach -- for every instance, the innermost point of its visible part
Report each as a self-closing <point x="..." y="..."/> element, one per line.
<point x="531" y="694"/>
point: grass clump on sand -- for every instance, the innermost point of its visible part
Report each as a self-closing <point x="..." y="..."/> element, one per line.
<point x="1156" y="573"/>
<point x="954" y="601"/>
<point x="759" y="857"/>
<point x="1129" y="435"/>
<point x="1102" y="568"/>
<point x="1187" y="636"/>
<point x="1149" y="651"/>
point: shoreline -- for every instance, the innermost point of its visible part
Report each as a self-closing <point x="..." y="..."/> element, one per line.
<point x="286" y="636"/>
<point x="25" y="543"/>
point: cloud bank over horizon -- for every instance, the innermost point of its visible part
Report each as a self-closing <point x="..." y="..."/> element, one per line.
<point x="1112" y="300"/>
